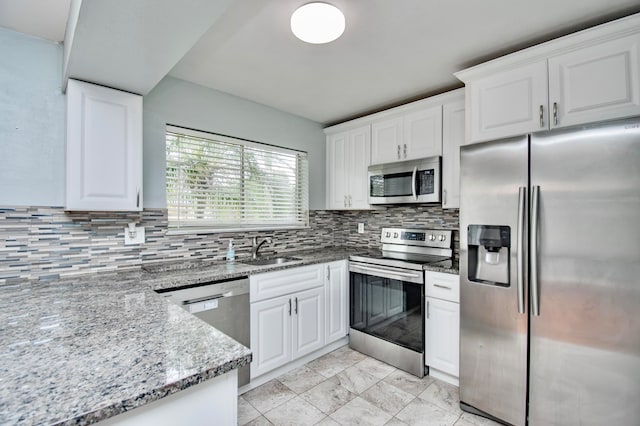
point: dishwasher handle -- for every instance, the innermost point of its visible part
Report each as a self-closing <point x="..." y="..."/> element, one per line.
<point x="206" y="298"/>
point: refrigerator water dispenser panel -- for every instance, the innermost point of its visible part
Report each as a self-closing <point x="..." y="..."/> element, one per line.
<point x="489" y="252"/>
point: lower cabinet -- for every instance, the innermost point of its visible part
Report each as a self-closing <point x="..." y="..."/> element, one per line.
<point x="336" y="297"/>
<point x="442" y="325"/>
<point x="286" y="324"/>
<point x="442" y="328"/>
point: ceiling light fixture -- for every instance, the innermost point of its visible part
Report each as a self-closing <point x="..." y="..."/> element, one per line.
<point x="317" y="23"/>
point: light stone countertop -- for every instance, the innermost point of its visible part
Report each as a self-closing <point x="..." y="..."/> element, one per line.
<point x="83" y="349"/>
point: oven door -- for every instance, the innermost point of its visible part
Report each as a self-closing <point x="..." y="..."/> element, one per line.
<point x="388" y="303"/>
<point x="416" y="181"/>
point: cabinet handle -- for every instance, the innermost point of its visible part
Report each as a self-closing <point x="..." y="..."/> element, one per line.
<point x="444" y="196"/>
<point x="555" y="113"/>
<point x="296" y="306"/>
<point x="349" y="200"/>
<point x="289" y="307"/>
<point x="405" y="150"/>
<point x="427" y="309"/>
<point x="345" y="201"/>
<point x="328" y="273"/>
<point x="398" y="152"/>
<point x="541" y="116"/>
<point x="138" y="198"/>
<point x="441" y="286"/>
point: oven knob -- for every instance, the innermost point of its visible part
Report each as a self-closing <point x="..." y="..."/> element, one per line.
<point x="388" y="234"/>
<point x="442" y="237"/>
<point x="395" y="235"/>
<point x="432" y="237"/>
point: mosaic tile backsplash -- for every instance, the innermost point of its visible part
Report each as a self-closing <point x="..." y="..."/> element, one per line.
<point x="47" y="242"/>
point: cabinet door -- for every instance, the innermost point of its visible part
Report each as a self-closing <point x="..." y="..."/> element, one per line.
<point x="336" y="299"/>
<point x="442" y="335"/>
<point x="337" y="170"/>
<point x="270" y="334"/>
<point x="359" y="159"/>
<point x="308" y="321"/>
<point x="422" y="134"/>
<point x="509" y="103"/>
<point x="386" y="141"/>
<point x="596" y="83"/>
<point x="453" y="138"/>
<point x="104" y="148"/>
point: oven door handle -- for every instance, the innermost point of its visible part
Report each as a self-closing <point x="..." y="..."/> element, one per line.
<point x="414" y="183"/>
<point x="415" y="277"/>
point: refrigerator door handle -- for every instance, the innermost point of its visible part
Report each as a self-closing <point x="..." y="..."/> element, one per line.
<point x="521" y="246"/>
<point x="533" y="251"/>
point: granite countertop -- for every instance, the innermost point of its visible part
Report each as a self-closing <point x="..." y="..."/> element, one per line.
<point x="82" y="349"/>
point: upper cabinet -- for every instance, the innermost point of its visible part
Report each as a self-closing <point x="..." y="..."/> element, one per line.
<point x="511" y="102"/>
<point x="104" y="148"/>
<point x="585" y="77"/>
<point x="348" y="157"/>
<point x="453" y="137"/>
<point x="430" y="127"/>
<point x="412" y="135"/>
<point x="595" y="83"/>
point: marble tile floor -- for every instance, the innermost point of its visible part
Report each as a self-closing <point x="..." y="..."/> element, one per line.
<point x="347" y="388"/>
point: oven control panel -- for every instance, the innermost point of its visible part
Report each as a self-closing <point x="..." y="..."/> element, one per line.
<point x="418" y="237"/>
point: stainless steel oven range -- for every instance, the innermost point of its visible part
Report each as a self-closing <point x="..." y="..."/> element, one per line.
<point x="386" y="314"/>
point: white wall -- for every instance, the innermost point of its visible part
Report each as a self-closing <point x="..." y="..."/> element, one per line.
<point x="32" y="126"/>
<point x="178" y="102"/>
<point x="32" y="121"/>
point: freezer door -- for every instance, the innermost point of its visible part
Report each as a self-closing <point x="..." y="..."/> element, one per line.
<point x="585" y="343"/>
<point x="493" y="332"/>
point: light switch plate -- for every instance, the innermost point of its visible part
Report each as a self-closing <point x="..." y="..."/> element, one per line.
<point x="138" y="239"/>
<point x="361" y="228"/>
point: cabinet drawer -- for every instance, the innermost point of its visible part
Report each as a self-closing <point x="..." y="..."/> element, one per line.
<point x="278" y="283"/>
<point x="442" y="286"/>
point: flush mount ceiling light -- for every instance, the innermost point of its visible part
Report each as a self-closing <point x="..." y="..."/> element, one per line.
<point x="317" y="23"/>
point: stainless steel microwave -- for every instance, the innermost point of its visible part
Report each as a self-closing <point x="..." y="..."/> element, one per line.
<point x="415" y="181"/>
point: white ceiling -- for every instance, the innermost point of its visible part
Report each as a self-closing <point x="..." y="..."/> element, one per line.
<point x="42" y="18"/>
<point x="391" y="51"/>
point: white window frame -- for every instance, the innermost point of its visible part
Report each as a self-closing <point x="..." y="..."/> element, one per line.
<point x="178" y="227"/>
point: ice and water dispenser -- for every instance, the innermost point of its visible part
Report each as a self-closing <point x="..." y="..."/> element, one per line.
<point x="489" y="254"/>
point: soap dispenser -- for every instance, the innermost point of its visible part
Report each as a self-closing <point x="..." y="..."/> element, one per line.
<point x="231" y="253"/>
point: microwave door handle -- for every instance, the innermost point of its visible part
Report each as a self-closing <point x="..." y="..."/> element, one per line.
<point x="413" y="183"/>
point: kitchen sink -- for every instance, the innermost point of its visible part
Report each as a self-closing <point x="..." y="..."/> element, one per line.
<point x="271" y="260"/>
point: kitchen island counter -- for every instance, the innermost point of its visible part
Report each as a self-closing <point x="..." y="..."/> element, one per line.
<point x="80" y="350"/>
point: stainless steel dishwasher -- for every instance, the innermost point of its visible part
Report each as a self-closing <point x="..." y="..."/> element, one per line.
<point x="225" y="305"/>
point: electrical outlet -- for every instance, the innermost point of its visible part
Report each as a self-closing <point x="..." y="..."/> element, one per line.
<point x="136" y="238"/>
<point x="361" y="228"/>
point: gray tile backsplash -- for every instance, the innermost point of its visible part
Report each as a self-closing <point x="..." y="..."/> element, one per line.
<point x="47" y="242"/>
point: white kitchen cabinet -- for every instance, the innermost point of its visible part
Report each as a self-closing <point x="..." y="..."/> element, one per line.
<point x="507" y="103"/>
<point x="453" y="137"/>
<point x="442" y="325"/>
<point x="595" y="83"/>
<point x="104" y="149"/>
<point x="386" y="141"/>
<point x="413" y="135"/>
<point x="336" y="299"/>
<point x="442" y="336"/>
<point x="270" y="334"/>
<point x="348" y="157"/>
<point x="287" y="316"/>
<point x="589" y="76"/>
<point x="308" y="322"/>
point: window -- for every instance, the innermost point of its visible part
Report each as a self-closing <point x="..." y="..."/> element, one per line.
<point x="219" y="182"/>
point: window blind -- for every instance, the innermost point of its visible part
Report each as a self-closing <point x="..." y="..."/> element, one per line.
<point x="220" y="182"/>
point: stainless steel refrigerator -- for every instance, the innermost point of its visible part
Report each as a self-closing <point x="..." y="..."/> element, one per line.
<point x="550" y="277"/>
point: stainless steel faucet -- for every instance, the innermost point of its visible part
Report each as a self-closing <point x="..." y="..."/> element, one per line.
<point x="255" y="246"/>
